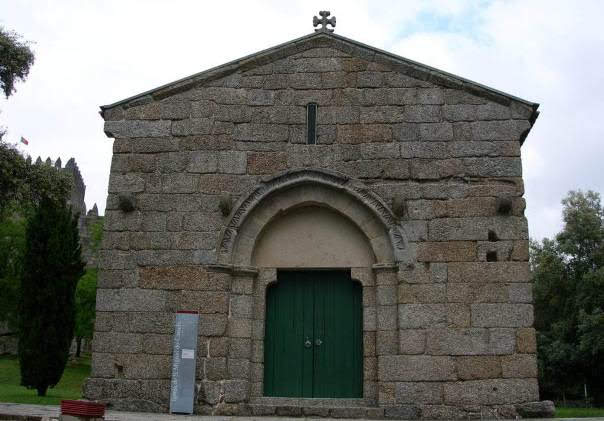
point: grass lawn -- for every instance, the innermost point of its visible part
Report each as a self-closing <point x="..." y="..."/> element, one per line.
<point x="579" y="412"/>
<point x="70" y="386"/>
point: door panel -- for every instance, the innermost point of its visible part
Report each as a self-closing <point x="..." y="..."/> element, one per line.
<point x="338" y="362"/>
<point x="313" y="339"/>
<point x="288" y="364"/>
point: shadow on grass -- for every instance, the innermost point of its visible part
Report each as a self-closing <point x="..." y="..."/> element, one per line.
<point x="70" y="386"/>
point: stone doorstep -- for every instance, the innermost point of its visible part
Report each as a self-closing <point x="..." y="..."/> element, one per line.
<point x="310" y="402"/>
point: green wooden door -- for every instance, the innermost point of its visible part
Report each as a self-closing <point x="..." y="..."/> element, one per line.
<point x="313" y="336"/>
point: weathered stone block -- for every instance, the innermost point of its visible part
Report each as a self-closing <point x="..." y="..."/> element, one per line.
<point x="236" y="390"/>
<point x="415" y="368"/>
<point x="502" y="315"/>
<point x="478" y="367"/>
<point x="238" y="368"/>
<point x="520" y="293"/>
<point x="369" y="344"/>
<point x="137" y="128"/>
<point x="418" y="392"/>
<point x="414" y="316"/>
<point x="212" y="324"/>
<point x="519" y="365"/>
<point x="240" y="328"/>
<point x="477" y="228"/>
<point x="258" y="132"/>
<point x="526" y="341"/>
<point x="144" y="366"/>
<point x="499" y="130"/>
<point x="446" y="251"/>
<point x="502" y="341"/>
<point x="175" y="110"/>
<point x="542" y="409"/>
<point x="202" y="301"/>
<point x="126" y="183"/>
<point x="492" y="167"/>
<point x="386" y="317"/>
<point x="240" y="348"/>
<point x="458" y="315"/>
<point x="386" y="294"/>
<point x="179" y="183"/>
<point x="241" y="306"/>
<point x="382" y="114"/>
<point x="436" y="131"/>
<point x="491" y="392"/>
<point x="431" y="150"/>
<point x="493" y="272"/>
<point x="231" y="162"/>
<point x="412" y="341"/>
<point x="116" y="279"/>
<point x="387" y="342"/>
<point x="266" y="162"/>
<point x="477" y="293"/>
<point x="457" y="341"/>
<point x="370" y="368"/>
<point x="150" y="322"/>
<point x="421" y="293"/>
<point x="157" y="344"/>
<point x="434" y="169"/>
<point x="117" y="342"/>
<point x="438" y="272"/>
<point x="216" y="369"/>
<point x="422" y="113"/>
<point x="130" y="299"/>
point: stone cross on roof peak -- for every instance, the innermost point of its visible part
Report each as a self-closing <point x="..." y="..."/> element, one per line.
<point x="324" y="21"/>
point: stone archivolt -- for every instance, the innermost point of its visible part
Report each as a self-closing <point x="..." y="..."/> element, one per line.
<point x="338" y="183"/>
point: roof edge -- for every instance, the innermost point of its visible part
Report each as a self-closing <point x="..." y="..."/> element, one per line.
<point x="402" y="64"/>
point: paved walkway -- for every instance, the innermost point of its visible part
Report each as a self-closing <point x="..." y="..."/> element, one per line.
<point x="49" y="413"/>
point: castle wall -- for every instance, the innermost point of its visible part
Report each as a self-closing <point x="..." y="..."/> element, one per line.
<point x="447" y="324"/>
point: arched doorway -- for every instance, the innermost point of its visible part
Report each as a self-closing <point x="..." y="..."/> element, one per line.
<point x="313" y="336"/>
<point x="312" y="222"/>
<point x="313" y="343"/>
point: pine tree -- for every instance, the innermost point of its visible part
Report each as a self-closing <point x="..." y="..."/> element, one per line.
<point x="52" y="268"/>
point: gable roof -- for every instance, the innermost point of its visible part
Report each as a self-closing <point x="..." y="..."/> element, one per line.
<point x="327" y="39"/>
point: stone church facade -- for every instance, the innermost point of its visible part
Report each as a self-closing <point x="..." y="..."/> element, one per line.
<point x="332" y="211"/>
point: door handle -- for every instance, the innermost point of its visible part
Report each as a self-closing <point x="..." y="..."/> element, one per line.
<point x="318" y="342"/>
<point x="307" y="343"/>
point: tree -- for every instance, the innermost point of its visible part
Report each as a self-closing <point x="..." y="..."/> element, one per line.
<point x="24" y="183"/>
<point x="568" y="274"/>
<point x="16" y="58"/>
<point x="85" y="303"/>
<point x="53" y="265"/>
<point x="12" y="249"/>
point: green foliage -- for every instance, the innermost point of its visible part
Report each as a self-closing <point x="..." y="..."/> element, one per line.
<point x="70" y="386"/>
<point x="12" y="249"/>
<point x="16" y="58"/>
<point x="53" y="265"/>
<point x="85" y="302"/>
<point x="568" y="274"/>
<point x="96" y="234"/>
<point x="25" y="184"/>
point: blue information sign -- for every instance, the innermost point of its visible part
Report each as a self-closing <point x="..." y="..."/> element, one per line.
<point x="184" y="356"/>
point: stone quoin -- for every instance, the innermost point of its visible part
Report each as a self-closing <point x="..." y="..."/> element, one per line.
<point x="332" y="211"/>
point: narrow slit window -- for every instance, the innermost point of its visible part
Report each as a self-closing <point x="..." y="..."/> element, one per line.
<point x="311" y="123"/>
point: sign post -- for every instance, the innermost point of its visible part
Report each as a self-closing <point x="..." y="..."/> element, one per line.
<point x="184" y="350"/>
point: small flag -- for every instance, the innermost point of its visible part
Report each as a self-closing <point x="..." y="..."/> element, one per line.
<point x="24" y="140"/>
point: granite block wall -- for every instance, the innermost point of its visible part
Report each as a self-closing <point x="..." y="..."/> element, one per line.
<point x="448" y="327"/>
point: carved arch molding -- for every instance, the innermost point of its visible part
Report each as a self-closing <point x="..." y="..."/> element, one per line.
<point x="346" y="195"/>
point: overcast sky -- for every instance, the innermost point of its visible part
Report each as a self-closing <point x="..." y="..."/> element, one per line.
<point x="90" y="53"/>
